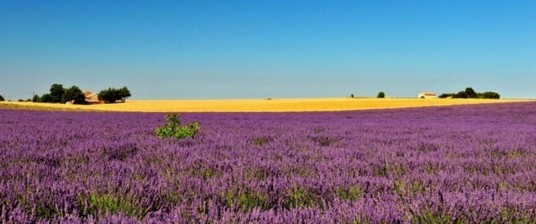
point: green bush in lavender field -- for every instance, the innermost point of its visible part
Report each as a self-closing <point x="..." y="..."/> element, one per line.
<point x="173" y="128"/>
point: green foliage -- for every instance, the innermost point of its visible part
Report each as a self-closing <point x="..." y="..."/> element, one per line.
<point x="381" y="95"/>
<point x="100" y="204"/>
<point x="125" y="93"/>
<point x="172" y="128"/>
<point x="46" y="98"/>
<point x="36" y="98"/>
<point x="56" y="92"/>
<point x="461" y="94"/>
<point x="300" y="197"/>
<point x="112" y="95"/>
<point x="73" y="94"/>
<point x="245" y="201"/>
<point x="470" y="93"/>
<point x="489" y="95"/>
<point x="447" y="95"/>
<point x="351" y="193"/>
<point x="427" y="216"/>
<point x="2" y="98"/>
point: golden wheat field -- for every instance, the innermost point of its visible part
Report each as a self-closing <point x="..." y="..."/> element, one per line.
<point x="256" y="105"/>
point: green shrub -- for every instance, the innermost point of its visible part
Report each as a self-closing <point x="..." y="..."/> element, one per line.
<point x="172" y="128"/>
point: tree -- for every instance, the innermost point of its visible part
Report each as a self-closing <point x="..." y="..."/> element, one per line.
<point x="352" y="95"/>
<point x="2" y="98"/>
<point x="381" y="95"/>
<point x="109" y="95"/>
<point x="489" y="95"/>
<point x="73" y="94"/>
<point x="470" y="93"/>
<point x="112" y="95"/>
<point x="124" y="93"/>
<point x="56" y="92"/>
<point x="461" y="94"/>
<point x="447" y="95"/>
<point x="36" y="98"/>
<point x="46" y="98"/>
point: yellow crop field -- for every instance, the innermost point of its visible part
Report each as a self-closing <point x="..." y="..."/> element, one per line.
<point x="256" y="105"/>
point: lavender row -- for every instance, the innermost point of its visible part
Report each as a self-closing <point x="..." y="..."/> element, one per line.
<point x="449" y="164"/>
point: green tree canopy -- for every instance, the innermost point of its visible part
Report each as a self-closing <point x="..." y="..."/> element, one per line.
<point x="73" y="94"/>
<point x="56" y="92"/>
<point x="381" y="95"/>
<point x="471" y="93"/>
<point x="112" y="95"/>
<point x="124" y="93"/>
<point x="46" y="98"/>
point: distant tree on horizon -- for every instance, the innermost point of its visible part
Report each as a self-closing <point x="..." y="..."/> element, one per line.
<point x="2" y="98"/>
<point x="471" y="94"/>
<point x="73" y="94"/>
<point x="381" y="95"/>
<point x="45" y="98"/>
<point x="112" y="95"/>
<point x="36" y="98"/>
<point x="124" y="93"/>
<point x="489" y="95"/>
<point x="56" y="92"/>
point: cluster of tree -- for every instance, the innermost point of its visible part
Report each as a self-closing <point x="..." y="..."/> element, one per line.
<point x="470" y="93"/>
<point x="112" y="95"/>
<point x="58" y="94"/>
<point x="2" y="98"/>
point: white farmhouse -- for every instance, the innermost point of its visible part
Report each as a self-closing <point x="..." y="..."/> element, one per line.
<point x="426" y="95"/>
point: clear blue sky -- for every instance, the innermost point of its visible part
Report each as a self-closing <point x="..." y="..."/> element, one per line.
<point x="257" y="49"/>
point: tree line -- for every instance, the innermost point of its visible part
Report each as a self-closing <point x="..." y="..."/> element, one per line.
<point x="471" y="93"/>
<point x="73" y="94"/>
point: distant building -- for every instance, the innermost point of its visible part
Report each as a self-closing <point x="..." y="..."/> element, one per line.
<point x="91" y="97"/>
<point x="427" y="95"/>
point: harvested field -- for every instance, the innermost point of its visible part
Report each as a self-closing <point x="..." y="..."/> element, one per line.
<point x="256" y="105"/>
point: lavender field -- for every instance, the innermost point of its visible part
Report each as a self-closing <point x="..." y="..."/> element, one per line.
<point x="458" y="164"/>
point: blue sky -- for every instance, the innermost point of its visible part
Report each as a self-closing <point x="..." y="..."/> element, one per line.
<point x="258" y="49"/>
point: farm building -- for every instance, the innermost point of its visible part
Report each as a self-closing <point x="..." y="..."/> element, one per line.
<point x="426" y="95"/>
<point x="91" y="97"/>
